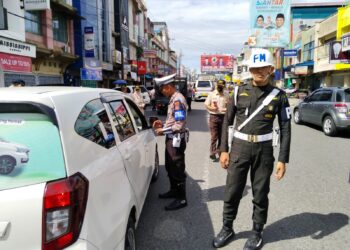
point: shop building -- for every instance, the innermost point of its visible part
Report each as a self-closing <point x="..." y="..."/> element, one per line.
<point x="16" y="55"/>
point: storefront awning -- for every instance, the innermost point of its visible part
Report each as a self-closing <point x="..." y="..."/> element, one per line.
<point x="307" y="63"/>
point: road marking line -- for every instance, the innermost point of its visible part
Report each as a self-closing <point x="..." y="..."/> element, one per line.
<point x="205" y="184"/>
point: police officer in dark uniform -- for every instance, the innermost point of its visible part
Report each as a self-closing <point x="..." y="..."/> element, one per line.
<point x="252" y="148"/>
<point x="175" y="142"/>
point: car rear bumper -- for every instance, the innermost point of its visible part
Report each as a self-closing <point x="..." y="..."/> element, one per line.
<point x="200" y="96"/>
<point x="81" y="244"/>
<point x="343" y="123"/>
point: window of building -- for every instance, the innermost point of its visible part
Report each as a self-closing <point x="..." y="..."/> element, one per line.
<point x="309" y="51"/>
<point x="93" y="124"/>
<point x="104" y="19"/>
<point x="33" y="22"/>
<point x="59" y="27"/>
<point x="121" y="118"/>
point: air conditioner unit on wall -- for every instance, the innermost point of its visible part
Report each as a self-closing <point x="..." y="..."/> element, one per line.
<point x="66" y="49"/>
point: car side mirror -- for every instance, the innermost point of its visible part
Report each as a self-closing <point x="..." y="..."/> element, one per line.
<point x="151" y="120"/>
<point x="306" y="99"/>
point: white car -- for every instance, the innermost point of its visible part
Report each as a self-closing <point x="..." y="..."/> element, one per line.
<point x="93" y="156"/>
<point x="202" y="89"/>
<point x="12" y="155"/>
<point x="144" y="92"/>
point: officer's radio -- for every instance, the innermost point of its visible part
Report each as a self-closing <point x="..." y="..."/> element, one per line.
<point x="276" y="136"/>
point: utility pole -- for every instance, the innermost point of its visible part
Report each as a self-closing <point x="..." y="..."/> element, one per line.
<point x="179" y="62"/>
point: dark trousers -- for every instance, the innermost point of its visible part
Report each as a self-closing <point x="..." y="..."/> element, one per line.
<point x="215" y="126"/>
<point x="258" y="158"/>
<point x="189" y="100"/>
<point x="175" y="166"/>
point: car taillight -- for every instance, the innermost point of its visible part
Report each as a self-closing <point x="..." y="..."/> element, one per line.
<point x="63" y="211"/>
<point x="341" y="107"/>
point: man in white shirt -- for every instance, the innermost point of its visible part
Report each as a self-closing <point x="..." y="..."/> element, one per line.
<point x="216" y="104"/>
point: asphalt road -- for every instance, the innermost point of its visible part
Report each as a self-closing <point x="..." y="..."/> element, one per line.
<point x="309" y="208"/>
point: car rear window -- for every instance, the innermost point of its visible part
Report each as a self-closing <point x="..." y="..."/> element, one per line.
<point x="203" y="84"/>
<point x="30" y="150"/>
<point x="347" y="95"/>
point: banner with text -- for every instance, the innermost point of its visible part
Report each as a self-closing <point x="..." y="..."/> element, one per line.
<point x="216" y="63"/>
<point x="269" y="23"/>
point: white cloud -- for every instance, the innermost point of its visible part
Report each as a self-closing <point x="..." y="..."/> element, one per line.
<point x="203" y="26"/>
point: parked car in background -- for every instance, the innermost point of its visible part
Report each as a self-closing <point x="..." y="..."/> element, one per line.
<point x="92" y="158"/>
<point x="144" y="92"/>
<point x="202" y="89"/>
<point x="326" y="107"/>
<point x="12" y="155"/>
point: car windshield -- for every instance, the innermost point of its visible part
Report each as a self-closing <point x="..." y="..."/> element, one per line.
<point x="203" y="84"/>
<point x="30" y="150"/>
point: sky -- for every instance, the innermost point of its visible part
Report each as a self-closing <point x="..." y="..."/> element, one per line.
<point x="206" y="26"/>
<point x="202" y="26"/>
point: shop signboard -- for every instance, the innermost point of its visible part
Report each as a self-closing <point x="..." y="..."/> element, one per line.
<point x="89" y="41"/>
<point x="149" y="53"/>
<point x="336" y="55"/>
<point x="290" y="53"/>
<point x="301" y="70"/>
<point x="91" y="74"/>
<point x="16" y="63"/>
<point x="36" y="4"/>
<point x="141" y="67"/>
<point x="345" y="42"/>
<point x="17" y="48"/>
<point x="118" y="56"/>
<point x="216" y="63"/>
<point x="270" y="23"/>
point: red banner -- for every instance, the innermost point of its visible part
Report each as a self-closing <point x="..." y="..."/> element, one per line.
<point x="141" y="68"/>
<point x="216" y="63"/>
<point x="15" y="63"/>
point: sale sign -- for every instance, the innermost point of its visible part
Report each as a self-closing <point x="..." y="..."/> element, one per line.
<point x="15" y="63"/>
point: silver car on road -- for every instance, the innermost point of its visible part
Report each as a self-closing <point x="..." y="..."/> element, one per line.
<point x="327" y="107"/>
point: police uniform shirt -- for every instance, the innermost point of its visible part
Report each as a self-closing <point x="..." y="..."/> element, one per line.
<point x="249" y="98"/>
<point x="177" y="114"/>
<point x="221" y="101"/>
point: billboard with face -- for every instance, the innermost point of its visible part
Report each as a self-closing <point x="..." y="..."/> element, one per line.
<point x="270" y="23"/>
<point x="216" y="63"/>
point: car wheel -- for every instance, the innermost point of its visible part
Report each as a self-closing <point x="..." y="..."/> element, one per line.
<point x="130" y="239"/>
<point x="156" y="166"/>
<point x="297" y="117"/>
<point x="329" y="126"/>
<point x="7" y="164"/>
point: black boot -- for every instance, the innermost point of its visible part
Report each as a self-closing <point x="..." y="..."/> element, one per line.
<point x="168" y="195"/>
<point x="225" y="235"/>
<point x="172" y="193"/>
<point x="180" y="201"/>
<point x="255" y="241"/>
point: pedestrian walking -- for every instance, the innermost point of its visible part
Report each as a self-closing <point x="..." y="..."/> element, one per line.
<point x="254" y="108"/>
<point x="138" y="99"/>
<point x="18" y="83"/>
<point x="216" y="104"/>
<point x="189" y="96"/>
<point x="175" y="142"/>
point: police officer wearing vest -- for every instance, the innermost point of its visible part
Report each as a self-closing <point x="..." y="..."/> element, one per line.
<point x="254" y="106"/>
<point x="175" y="142"/>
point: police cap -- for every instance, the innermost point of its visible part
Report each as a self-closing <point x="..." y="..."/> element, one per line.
<point x="165" y="80"/>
